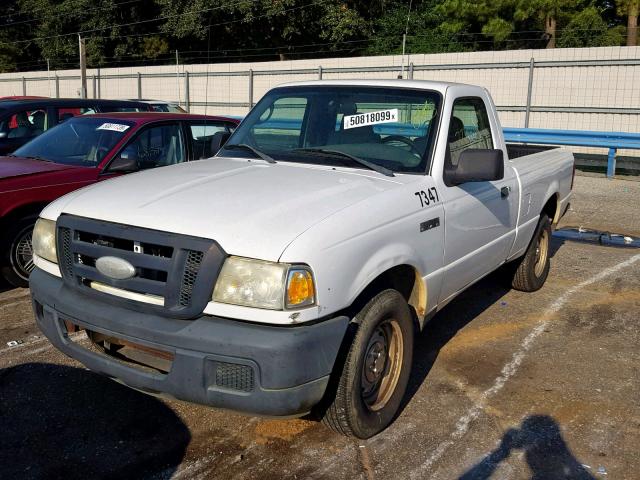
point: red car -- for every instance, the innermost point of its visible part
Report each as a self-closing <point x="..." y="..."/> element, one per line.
<point x="88" y="149"/>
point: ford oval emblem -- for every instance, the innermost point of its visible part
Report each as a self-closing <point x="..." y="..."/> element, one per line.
<point x="116" y="268"/>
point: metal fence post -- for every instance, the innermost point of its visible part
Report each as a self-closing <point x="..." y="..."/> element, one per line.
<point x="319" y="72"/>
<point x="411" y="71"/>
<point x="611" y="163"/>
<point x="139" y="86"/>
<point x="24" y="87"/>
<point x="99" y="85"/>
<point x="57" y="83"/>
<point x="250" y="88"/>
<point x="93" y="83"/>
<point x="187" y="104"/>
<point x="529" y="92"/>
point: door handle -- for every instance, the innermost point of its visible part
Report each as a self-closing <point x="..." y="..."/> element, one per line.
<point x="504" y="191"/>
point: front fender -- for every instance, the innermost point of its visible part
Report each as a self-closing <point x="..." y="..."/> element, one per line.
<point x="351" y="249"/>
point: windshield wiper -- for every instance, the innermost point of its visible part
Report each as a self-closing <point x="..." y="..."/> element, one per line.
<point x="255" y="151"/>
<point x="358" y="160"/>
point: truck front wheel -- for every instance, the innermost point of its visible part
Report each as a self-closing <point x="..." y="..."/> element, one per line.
<point x="377" y="368"/>
<point x="533" y="268"/>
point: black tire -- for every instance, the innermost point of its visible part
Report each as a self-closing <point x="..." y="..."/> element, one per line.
<point x="17" y="262"/>
<point x="359" y="408"/>
<point x="532" y="269"/>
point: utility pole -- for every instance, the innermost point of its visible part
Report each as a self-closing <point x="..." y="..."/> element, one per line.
<point x="83" y="67"/>
<point x="404" y="43"/>
<point x="178" y="77"/>
<point x="49" y="76"/>
<point x="404" y="39"/>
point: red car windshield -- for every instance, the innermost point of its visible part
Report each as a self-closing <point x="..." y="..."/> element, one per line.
<point x="80" y="141"/>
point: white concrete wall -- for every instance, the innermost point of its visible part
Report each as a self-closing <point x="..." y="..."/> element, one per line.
<point x="557" y="86"/>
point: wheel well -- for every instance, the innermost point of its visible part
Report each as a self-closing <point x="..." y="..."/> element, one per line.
<point x="20" y="212"/>
<point x="551" y="208"/>
<point x="403" y="278"/>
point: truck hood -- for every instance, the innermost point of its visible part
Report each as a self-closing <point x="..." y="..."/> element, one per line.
<point x="11" y="167"/>
<point x="250" y="208"/>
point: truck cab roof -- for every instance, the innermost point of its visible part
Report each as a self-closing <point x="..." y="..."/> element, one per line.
<point x="391" y="83"/>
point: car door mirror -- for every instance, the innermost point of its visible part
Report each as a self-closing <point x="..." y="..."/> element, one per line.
<point x="477" y="165"/>
<point x="123" y="164"/>
<point x="218" y="140"/>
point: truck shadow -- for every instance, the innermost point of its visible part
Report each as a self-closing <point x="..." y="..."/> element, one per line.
<point x="445" y="325"/>
<point x="545" y="451"/>
<point x="66" y="422"/>
<point x="456" y="315"/>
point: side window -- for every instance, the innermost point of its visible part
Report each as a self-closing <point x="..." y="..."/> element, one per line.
<point x="25" y="124"/>
<point x="281" y="126"/>
<point x="201" y="137"/>
<point x="469" y="127"/>
<point x="64" y="114"/>
<point x="157" y="147"/>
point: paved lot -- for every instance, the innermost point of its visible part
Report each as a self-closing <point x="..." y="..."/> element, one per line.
<point x="506" y="385"/>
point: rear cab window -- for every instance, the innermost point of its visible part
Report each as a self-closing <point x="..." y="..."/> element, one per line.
<point x="108" y="108"/>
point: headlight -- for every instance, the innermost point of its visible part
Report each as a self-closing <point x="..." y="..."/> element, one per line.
<point x="44" y="239"/>
<point x="260" y="284"/>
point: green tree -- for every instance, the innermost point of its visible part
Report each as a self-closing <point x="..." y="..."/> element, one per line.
<point x="10" y="51"/>
<point x="58" y="20"/>
<point x="588" y="29"/>
<point x="276" y="25"/>
<point x="549" y="12"/>
<point x="630" y="9"/>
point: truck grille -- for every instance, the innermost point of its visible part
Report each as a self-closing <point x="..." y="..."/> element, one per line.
<point x="176" y="273"/>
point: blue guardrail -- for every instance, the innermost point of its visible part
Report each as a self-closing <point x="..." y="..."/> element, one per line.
<point x="578" y="138"/>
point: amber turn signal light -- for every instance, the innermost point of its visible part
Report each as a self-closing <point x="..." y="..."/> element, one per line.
<point x="300" y="288"/>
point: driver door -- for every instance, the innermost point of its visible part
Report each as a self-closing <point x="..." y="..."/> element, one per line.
<point x="480" y="217"/>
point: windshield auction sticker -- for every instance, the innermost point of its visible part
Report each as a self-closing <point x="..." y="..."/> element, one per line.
<point x="370" y="118"/>
<point x="115" y="127"/>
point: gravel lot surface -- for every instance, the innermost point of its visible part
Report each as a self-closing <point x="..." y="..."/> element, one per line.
<point x="505" y="385"/>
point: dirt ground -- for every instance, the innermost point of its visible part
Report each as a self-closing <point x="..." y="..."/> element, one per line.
<point x="505" y="385"/>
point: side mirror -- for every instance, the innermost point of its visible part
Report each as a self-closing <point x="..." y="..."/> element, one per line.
<point x="218" y="140"/>
<point x="477" y="165"/>
<point x="124" y="165"/>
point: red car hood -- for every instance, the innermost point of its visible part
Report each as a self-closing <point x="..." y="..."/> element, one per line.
<point x="19" y="166"/>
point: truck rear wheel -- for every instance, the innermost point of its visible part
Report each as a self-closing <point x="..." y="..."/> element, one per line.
<point x="533" y="268"/>
<point x="18" y="253"/>
<point x="377" y="368"/>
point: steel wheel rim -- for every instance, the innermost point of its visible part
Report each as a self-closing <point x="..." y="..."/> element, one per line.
<point x="22" y="254"/>
<point x="382" y="364"/>
<point x="542" y="250"/>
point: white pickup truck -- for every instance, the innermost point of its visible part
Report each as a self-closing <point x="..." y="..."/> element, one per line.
<point x="289" y="274"/>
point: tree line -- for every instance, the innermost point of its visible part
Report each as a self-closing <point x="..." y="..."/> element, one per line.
<point x="36" y="34"/>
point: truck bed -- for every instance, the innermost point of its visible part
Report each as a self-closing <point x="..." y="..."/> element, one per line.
<point x="517" y="150"/>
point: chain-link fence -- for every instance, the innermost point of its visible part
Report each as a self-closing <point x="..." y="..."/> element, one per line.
<point x="577" y="89"/>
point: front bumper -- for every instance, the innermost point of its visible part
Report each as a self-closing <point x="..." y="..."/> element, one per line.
<point x="285" y="370"/>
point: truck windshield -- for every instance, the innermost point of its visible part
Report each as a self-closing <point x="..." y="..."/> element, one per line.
<point x="388" y="128"/>
<point x="80" y="141"/>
